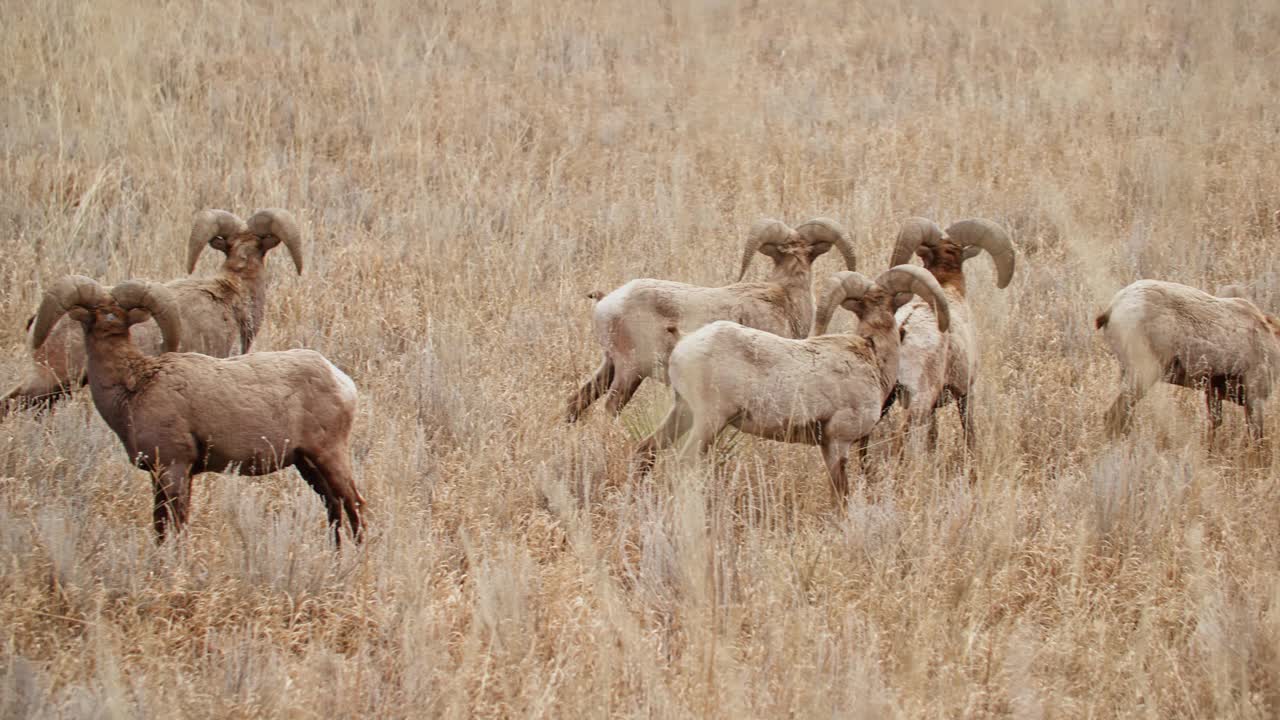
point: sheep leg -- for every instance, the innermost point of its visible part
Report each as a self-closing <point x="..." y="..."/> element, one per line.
<point x="1253" y="417"/>
<point x="332" y="506"/>
<point x="172" y="487"/>
<point x="624" y="386"/>
<point x="342" y="481"/>
<point x="835" y="453"/>
<point x="1120" y="414"/>
<point x="701" y="438"/>
<point x="931" y="437"/>
<point x="675" y="424"/>
<point x="332" y="480"/>
<point x="966" y="422"/>
<point x="1214" y="392"/>
<point x="590" y="391"/>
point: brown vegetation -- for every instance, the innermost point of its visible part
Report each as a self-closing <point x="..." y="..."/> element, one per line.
<point x="464" y="173"/>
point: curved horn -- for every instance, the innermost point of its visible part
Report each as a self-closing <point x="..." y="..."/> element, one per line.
<point x="917" y="280"/>
<point x="826" y="230"/>
<point x="765" y="232"/>
<point x="209" y="224"/>
<point x="839" y="287"/>
<point x="978" y="232"/>
<point x="157" y="300"/>
<point x="915" y="232"/>
<point x="68" y="292"/>
<point x="274" y="226"/>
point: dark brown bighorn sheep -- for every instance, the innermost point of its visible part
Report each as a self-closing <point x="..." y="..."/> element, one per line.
<point x="938" y="366"/>
<point x="182" y="414"/>
<point x="637" y="324"/>
<point x="826" y="390"/>
<point x="220" y="315"/>
<point x="1184" y="336"/>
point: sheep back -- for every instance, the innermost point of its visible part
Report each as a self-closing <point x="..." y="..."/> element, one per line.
<point x="257" y="410"/>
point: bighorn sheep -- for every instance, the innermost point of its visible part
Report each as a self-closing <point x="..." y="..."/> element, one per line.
<point x="825" y="390"/>
<point x="181" y="414"/>
<point x="634" y="322"/>
<point x="1183" y="336"/>
<point x="220" y="314"/>
<point x="937" y="366"/>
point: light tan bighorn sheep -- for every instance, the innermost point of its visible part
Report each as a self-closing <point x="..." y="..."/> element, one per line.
<point x="938" y="366"/>
<point x="1184" y="336"/>
<point x="634" y="323"/>
<point x="826" y="390"/>
<point x="182" y="414"/>
<point x="220" y="315"/>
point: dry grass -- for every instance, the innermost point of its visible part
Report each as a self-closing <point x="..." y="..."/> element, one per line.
<point x="464" y="174"/>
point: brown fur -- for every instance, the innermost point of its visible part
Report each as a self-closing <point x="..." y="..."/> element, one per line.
<point x="221" y="316"/>
<point x="182" y="414"/>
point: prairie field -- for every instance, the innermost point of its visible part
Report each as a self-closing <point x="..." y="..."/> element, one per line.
<point x="464" y="174"/>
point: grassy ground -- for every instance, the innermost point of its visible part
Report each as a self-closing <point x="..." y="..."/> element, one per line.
<point x="465" y="173"/>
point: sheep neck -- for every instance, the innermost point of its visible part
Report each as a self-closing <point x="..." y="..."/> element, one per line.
<point x="247" y="291"/>
<point x="949" y="277"/>
<point x="881" y="329"/>
<point x="792" y="274"/>
<point x="117" y="371"/>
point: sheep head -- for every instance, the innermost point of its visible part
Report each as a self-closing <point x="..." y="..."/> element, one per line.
<point x="108" y="313"/>
<point x="807" y="242"/>
<point x="862" y="296"/>
<point x="244" y="244"/>
<point x="947" y="250"/>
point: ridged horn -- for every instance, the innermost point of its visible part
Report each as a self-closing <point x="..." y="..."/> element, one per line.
<point x="826" y="230"/>
<point x="157" y="300"/>
<point x="979" y="232"/>
<point x="68" y="292"/>
<point x="209" y="224"/>
<point x="274" y="226"/>
<point x="763" y="233"/>
<point x="915" y="232"/>
<point x="839" y="287"/>
<point x="916" y="280"/>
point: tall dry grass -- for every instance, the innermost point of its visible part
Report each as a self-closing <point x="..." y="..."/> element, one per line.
<point x="465" y="172"/>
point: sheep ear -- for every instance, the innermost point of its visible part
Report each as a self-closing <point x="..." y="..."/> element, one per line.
<point x="971" y="252"/>
<point x="137" y="315"/>
<point x="220" y="244"/>
<point x="79" y="314"/>
<point x="901" y="299"/>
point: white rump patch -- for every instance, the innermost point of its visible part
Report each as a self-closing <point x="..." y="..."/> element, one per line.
<point x="345" y="383"/>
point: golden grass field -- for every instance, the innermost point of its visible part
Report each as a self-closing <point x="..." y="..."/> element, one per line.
<point x="464" y="174"/>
